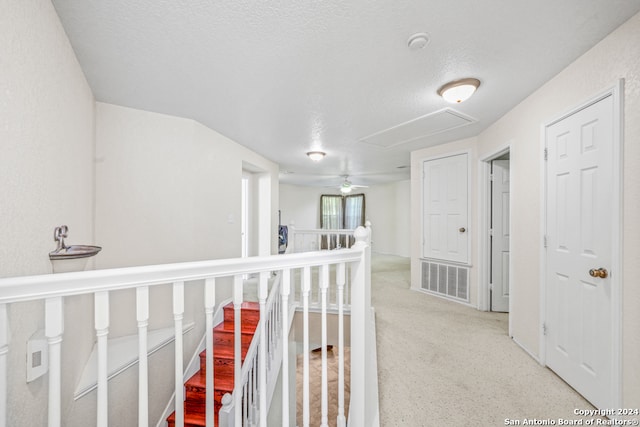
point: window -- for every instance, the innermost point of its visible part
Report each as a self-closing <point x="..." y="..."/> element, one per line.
<point x="340" y="212"/>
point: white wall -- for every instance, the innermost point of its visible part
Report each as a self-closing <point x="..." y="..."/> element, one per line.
<point x="386" y="206"/>
<point x="46" y="180"/>
<point x="617" y="56"/>
<point x="168" y="190"/>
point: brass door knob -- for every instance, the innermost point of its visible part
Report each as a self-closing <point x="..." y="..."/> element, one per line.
<point x="599" y="272"/>
<point x="462" y="229"/>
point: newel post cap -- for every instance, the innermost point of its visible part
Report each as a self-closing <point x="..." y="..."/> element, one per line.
<point x="361" y="234"/>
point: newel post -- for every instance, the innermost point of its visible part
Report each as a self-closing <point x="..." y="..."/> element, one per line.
<point x="360" y="331"/>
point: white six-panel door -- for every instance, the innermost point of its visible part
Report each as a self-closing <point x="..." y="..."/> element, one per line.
<point x="500" y="235"/>
<point x="445" y="186"/>
<point x="578" y="298"/>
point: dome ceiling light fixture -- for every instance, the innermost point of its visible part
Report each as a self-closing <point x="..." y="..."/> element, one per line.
<point x="316" y="156"/>
<point x="459" y="91"/>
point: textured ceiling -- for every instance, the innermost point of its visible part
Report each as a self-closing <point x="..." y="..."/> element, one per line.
<point x="285" y="77"/>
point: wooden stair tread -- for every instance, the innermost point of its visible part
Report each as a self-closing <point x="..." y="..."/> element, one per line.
<point x="220" y="382"/>
<point x="224" y="355"/>
<point x="246" y="305"/>
<point x="190" y="419"/>
<point x="230" y="329"/>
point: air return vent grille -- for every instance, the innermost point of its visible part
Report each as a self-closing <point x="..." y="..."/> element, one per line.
<point x="448" y="280"/>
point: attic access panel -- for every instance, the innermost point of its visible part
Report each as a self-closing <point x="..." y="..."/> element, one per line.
<point x="423" y="126"/>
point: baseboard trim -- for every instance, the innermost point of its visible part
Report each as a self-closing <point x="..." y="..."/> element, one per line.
<point x="526" y="350"/>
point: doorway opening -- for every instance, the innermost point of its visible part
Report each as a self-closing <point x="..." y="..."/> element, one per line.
<point x="245" y="215"/>
<point x="495" y="232"/>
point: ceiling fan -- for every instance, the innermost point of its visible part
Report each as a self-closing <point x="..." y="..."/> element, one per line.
<point x="346" y="186"/>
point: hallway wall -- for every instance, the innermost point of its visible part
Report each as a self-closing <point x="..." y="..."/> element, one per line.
<point x="387" y="207"/>
<point x="617" y="56"/>
<point x="46" y="177"/>
<point x="168" y="190"/>
<point x="48" y="170"/>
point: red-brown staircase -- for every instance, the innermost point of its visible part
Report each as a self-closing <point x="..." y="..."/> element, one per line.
<point x="223" y="363"/>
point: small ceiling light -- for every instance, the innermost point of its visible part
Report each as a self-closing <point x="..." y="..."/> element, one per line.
<point x="345" y="188"/>
<point x="459" y="90"/>
<point x="418" y="41"/>
<point x="316" y="156"/>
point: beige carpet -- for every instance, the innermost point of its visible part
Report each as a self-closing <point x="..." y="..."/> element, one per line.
<point x="444" y="364"/>
<point x="315" y="390"/>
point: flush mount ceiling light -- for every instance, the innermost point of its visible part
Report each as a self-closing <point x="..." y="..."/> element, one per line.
<point x="316" y="156"/>
<point x="459" y="90"/>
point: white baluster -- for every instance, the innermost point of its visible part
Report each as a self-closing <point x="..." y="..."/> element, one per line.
<point x="262" y="370"/>
<point x="237" y="339"/>
<point x="324" y="285"/>
<point x="4" y="350"/>
<point x="253" y="407"/>
<point x="245" y="403"/>
<point x="101" y="300"/>
<point x="306" y="286"/>
<point x="284" y="294"/>
<point x="142" y="315"/>
<point x="209" y="305"/>
<point x="178" y="315"/>
<point x="54" y="328"/>
<point x="340" y="279"/>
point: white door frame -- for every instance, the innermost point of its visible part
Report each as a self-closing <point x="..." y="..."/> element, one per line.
<point x="484" y="243"/>
<point x="616" y="92"/>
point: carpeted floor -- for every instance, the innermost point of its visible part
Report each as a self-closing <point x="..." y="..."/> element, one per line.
<point x="315" y="390"/>
<point x="441" y="363"/>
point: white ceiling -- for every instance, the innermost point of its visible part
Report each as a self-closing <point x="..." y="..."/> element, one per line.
<point x="284" y="77"/>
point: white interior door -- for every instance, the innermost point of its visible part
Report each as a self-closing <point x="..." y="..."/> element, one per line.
<point x="445" y="209"/>
<point x="500" y="235"/>
<point x="579" y="339"/>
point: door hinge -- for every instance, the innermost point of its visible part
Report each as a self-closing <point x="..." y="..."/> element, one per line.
<point x="546" y="154"/>
<point x="544" y="329"/>
<point x="491" y="287"/>
<point x="491" y="177"/>
<point x="491" y="232"/>
<point x="545" y="240"/>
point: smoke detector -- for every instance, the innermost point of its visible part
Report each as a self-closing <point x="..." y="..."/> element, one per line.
<point x="418" y="41"/>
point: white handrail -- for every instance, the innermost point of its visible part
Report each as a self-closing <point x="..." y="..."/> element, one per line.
<point x="29" y="288"/>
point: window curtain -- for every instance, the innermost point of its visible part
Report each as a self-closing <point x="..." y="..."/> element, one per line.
<point x="331" y="212"/>
<point x="353" y="211"/>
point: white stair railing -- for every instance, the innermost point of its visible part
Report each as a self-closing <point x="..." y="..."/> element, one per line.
<point x="298" y="282"/>
<point x="307" y="240"/>
<point x="54" y="288"/>
<point x="262" y="361"/>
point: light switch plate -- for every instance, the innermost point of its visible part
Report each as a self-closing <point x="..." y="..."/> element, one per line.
<point x="37" y="356"/>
